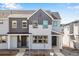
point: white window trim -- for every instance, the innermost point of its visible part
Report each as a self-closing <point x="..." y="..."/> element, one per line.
<point x="40" y="39"/>
<point x="56" y="24"/>
<point x="1" y="21"/>
<point x="24" y="24"/>
<point x="34" y="22"/>
<point x="14" y="26"/>
<point x="3" y="39"/>
<point x="43" y="25"/>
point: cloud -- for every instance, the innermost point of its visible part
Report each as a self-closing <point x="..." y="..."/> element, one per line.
<point x="10" y="6"/>
<point x="74" y="7"/>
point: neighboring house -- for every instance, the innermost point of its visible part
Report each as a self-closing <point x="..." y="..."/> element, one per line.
<point x="71" y="34"/>
<point x="33" y="29"/>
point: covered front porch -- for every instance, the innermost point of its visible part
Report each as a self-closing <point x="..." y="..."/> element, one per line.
<point x="18" y="41"/>
<point x="56" y="40"/>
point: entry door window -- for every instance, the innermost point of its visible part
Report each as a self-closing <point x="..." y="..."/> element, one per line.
<point x="54" y="40"/>
<point x="23" y="40"/>
<point x="18" y="41"/>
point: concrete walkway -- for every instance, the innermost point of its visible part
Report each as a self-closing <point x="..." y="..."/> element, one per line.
<point x="51" y="54"/>
<point x="57" y="52"/>
<point x="21" y="52"/>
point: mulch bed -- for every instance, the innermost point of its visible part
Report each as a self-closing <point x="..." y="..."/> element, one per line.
<point x="36" y="52"/>
<point x="8" y="52"/>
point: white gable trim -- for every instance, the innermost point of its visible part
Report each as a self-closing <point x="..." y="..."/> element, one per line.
<point x="43" y="11"/>
<point x="33" y="14"/>
<point x="47" y="14"/>
<point x="57" y="32"/>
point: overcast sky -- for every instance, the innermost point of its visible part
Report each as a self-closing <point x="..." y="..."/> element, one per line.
<point x="68" y="11"/>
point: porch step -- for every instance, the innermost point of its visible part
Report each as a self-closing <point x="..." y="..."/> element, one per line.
<point x="22" y="49"/>
<point x="20" y="54"/>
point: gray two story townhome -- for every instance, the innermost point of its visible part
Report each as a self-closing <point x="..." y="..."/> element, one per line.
<point x="34" y="29"/>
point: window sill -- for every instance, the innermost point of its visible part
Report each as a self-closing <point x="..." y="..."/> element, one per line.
<point x="40" y="43"/>
<point x="24" y="27"/>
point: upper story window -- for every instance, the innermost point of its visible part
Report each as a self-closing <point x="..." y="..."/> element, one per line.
<point x="3" y="39"/>
<point x="14" y="24"/>
<point x="1" y="21"/>
<point x="56" y="23"/>
<point x="35" y="24"/>
<point x="24" y="24"/>
<point x="45" y="23"/>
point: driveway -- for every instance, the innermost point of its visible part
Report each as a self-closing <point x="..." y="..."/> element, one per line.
<point x="70" y="52"/>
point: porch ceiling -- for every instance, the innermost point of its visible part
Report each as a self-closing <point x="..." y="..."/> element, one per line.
<point x="56" y="33"/>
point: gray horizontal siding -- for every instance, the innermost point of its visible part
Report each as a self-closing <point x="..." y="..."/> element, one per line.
<point x="40" y="16"/>
<point x="19" y="25"/>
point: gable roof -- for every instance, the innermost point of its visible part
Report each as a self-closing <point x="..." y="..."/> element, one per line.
<point x="55" y="15"/>
<point x="52" y="15"/>
<point x="43" y="11"/>
<point x="19" y="15"/>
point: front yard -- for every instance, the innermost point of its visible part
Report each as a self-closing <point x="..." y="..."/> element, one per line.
<point x="6" y="52"/>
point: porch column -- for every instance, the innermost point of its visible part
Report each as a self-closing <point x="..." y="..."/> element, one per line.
<point x="30" y="41"/>
<point x="20" y="39"/>
<point x="30" y="37"/>
<point x="60" y="41"/>
<point x="57" y="41"/>
<point x="8" y="41"/>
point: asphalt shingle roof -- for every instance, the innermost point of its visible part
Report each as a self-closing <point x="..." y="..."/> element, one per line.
<point x="25" y="13"/>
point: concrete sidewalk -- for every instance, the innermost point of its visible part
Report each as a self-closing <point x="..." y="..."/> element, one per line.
<point x="21" y="52"/>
